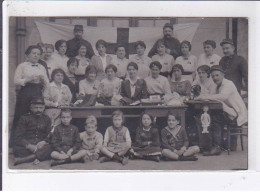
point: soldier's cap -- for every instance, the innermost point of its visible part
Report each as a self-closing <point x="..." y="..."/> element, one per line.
<point x="168" y="25"/>
<point x="78" y="28"/>
<point x="37" y="100"/>
<point x="216" y="68"/>
<point x="227" y="41"/>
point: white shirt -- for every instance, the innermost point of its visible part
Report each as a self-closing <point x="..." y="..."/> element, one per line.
<point x="160" y="85"/>
<point x="54" y="95"/>
<point x="231" y="100"/>
<point x="60" y="61"/>
<point x="121" y="65"/>
<point x="143" y="63"/>
<point x="104" y="61"/>
<point x="206" y="87"/>
<point x="27" y="70"/>
<point x="208" y="60"/>
<point x="166" y="60"/>
<point x="83" y="63"/>
<point x="189" y="64"/>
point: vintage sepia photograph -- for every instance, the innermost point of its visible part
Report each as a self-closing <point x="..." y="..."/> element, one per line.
<point x="128" y="93"/>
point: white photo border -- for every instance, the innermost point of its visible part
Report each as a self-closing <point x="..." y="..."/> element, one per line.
<point x="130" y="180"/>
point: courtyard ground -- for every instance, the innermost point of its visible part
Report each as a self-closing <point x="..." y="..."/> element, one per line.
<point x="237" y="160"/>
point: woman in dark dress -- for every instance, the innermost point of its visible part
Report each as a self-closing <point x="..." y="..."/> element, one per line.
<point x="177" y="83"/>
<point x="133" y="89"/>
<point x="70" y="79"/>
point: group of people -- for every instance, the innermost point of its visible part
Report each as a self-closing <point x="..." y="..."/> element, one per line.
<point x="74" y="76"/>
<point x="35" y="141"/>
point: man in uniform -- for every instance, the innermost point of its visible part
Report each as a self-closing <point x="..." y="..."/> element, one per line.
<point x="233" y="106"/>
<point x="173" y="46"/>
<point x="74" y="44"/>
<point x="31" y="135"/>
<point x="234" y="66"/>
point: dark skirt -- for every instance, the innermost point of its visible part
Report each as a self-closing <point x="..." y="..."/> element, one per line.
<point x="147" y="150"/>
<point x="24" y="98"/>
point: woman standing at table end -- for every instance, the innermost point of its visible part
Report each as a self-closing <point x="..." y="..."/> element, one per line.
<point x="30" y="78"/>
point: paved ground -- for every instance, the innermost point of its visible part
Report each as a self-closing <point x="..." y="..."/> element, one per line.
<point x="234" y="161"/>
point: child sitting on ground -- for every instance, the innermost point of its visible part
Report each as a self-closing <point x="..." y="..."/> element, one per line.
<point x="175" y="141"/>
<point x="147" y="141"/>
<point x="91" y="141"/>
<point x="117" y="140"/>
<point x="65" y="140"/>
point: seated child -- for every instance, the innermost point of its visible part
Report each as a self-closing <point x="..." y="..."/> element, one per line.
<point x="109" y="92"/>
<point x="147" y="141"/>
<point x="91" y="141"/>
<point x="175" y="141"/>
<point x="117" y="140"/>
<point x="65" y="140"/>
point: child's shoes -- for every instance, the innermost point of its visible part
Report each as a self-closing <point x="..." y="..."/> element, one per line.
<point x="95" y="156"/>
<point x="104" y="159"/>
<point x="125" y="161"/>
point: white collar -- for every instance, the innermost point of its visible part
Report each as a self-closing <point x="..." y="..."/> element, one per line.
<point x="101" y="56"/>
<point x="138" y="57"/>
<point x="182" y="80"/>
<point x="121" y="59"/>
<point x="131" y="82"/>
<point x="52" y="84"/>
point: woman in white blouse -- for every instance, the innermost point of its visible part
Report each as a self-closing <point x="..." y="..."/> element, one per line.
<point x="188" y="61"/>
<point x="166" y="60"/>
<point x="48" y="58"/>
<point x="209" y="57"/>
<point x="30" y="78"/>
<point x="204" y="80"/>
<point x="59" y="57"/>
<point x="142" y="60"/>
<point x="56" y="95"/>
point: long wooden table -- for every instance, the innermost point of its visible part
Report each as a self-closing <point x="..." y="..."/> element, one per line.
<point x="129" y="111"/>
<point x="135" y="111"/>
<point x="197" y="104"/>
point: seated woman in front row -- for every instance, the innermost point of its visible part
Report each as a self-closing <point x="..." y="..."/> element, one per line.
<point x="109" y="90"/>
<point x="89" y="87"/>
<point x="157" y="84"/>
<point x="204" y="80"/>
<point x="182" y="87"/>
<point x="175" y="141"/>
<point x="133" y="89"/>
<point x="56" y="95"/>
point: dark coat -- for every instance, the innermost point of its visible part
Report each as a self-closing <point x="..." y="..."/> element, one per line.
<point x="140" y="91"/>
